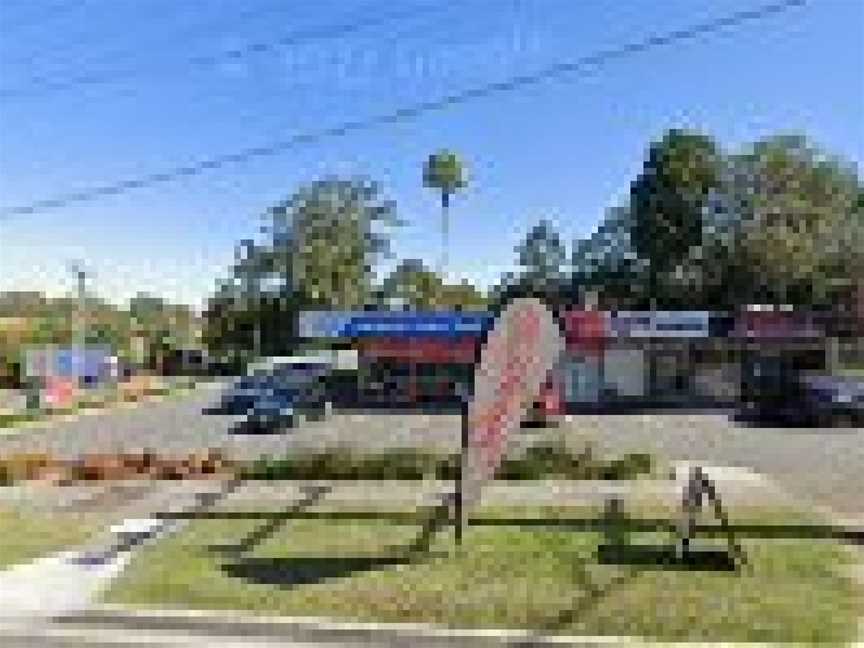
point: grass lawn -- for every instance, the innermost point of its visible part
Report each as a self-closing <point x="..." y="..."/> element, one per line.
<point x="12" y="420"/>
<point x="551" y="580"/>
<point x="25" y="536"/>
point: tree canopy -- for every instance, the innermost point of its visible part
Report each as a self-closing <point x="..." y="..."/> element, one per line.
<point x="322" y="244"/>
<point x="416" y="287"/>
<point x="777" y="222"/>
<point x="800" y="220"/>
<point x="542" y="257"/>
<point x="668" y="198"/>
<point x="444" y="171"/>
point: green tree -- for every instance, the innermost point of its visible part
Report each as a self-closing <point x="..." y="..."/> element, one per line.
<point x="240" y="317"/>
<point x="412" y="284"/>
<point x="462" y="296"/>
<point x="800" y="221"/>
<point x="668" y="199"/>
<point x="325" y="240"/>
<point x="444" y="172"/>
<point x="165" y="328"/>
<point x="542" y="256"/>
<point x="321" y="246"/>
<point x="606" y="264"/>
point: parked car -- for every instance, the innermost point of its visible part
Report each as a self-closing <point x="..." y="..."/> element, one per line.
<point x="239" y="397"/>
<point x="774" y="387"/>
<point x="833" y="398"/>
<point x="271" y="398"/>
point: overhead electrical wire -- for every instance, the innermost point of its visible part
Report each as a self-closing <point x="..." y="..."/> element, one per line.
<point x="512" y="83"/>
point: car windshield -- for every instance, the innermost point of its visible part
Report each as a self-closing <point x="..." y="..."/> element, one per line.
<point x="301" y="372"/>
<point x="288" y="376"/>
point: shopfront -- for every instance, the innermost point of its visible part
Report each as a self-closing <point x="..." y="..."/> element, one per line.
<point x="408" y="371"/>
<point x="791" y="342"/>
<point x="581" y="368"/>
<point x="406" y="358"/>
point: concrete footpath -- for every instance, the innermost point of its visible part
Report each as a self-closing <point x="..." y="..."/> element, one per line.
<point x="54" y="585"/>
<point x="70" y="581"/>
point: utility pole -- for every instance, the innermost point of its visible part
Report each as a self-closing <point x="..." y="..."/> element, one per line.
<point x="80" y="334"/>
<point x="80" y="274"/>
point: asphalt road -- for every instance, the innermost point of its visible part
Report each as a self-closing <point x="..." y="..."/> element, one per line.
<point x="822" y="465"/>
<point x="176" y="426"/>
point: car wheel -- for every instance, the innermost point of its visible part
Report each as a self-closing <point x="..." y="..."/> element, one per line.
<point x="316" y="414"/>
<point x="247" y="427"/>
<point x="846" y="419"/>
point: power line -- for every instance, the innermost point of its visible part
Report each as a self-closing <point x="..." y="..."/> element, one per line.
<point x="409" y="112"/>
<point x="46" y="84"/>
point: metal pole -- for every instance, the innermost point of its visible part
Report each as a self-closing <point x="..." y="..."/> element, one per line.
<point x="80" y="333"/>
<point x="458" y="501"/>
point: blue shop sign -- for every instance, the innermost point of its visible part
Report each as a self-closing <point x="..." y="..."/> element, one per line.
<point x="376" y="324"/>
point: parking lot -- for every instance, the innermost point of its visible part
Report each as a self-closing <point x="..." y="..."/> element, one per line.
<point x="824" y="466"/>
<point x="176" y="425"/>
<point x="821" y="465"/>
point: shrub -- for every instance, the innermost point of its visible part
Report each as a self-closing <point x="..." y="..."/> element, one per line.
<point x="539" y="462"/>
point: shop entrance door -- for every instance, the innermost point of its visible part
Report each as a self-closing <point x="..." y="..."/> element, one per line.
<point x="671" y="374"/>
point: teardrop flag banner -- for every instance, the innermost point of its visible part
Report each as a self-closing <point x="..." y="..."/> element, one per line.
<point x="515" y="361"/>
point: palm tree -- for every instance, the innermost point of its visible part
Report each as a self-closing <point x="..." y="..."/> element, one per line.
<point x="444" y="171"/>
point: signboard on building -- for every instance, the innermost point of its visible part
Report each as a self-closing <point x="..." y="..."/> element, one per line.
<point x="778" y="325"/>
<point x="514" y="363"/>
<point x="660" y="324"/>
<point x="585" y="331"/>
<point x="348" y="324"/>
<point x="323" y="324"/>
<point x="68" y="362"/>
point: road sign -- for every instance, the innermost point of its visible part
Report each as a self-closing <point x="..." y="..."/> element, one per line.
<point x="518" y="354"/>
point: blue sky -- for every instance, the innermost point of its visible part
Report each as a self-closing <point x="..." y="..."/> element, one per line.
<point x="565" y="150"/>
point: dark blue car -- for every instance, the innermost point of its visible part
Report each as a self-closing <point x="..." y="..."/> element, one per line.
<point x="273" y="399"/>
<point x="835" y="397"/>
<point x="775" y="388"/>
<point x="238" y="398"/>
